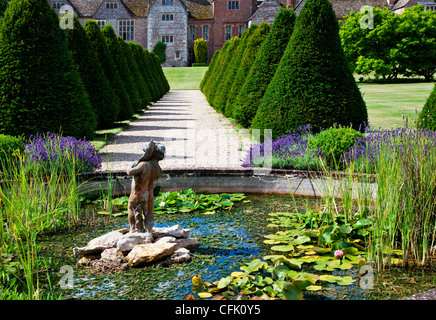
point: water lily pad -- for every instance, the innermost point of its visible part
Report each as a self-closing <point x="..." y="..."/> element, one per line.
<point x="224" y="282"/>
<point x="314" y="288"/>
<point x="283" y="248"/>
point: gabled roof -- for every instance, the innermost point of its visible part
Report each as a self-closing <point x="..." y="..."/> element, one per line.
<point x="86" y="7"/>
<point x="199" y="9"/>
<point x="138" y="7"/>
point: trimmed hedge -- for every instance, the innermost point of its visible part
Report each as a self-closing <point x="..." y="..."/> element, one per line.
<point x="139" y="56"/>
<point x="122" y="67"/>
<point x="226" y="84"/>
<point x="226" y="57"/>
<point x="264" y="67"/>
<point x="143" y="92"/>
<point x="40" y="87"/>
<point x="102" y="98"/>
<point x="200" y="50"/>
<point x="427" y="116"/>
<point x="108" y="65"/>
<point x="313" y="83"/>
<point x="9" y="146"/>
<point x="250" y="52"/>
<point x="206" y="78"/>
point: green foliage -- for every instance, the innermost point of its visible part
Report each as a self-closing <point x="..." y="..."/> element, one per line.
<point x="226" y="57"/>
<point x="313" y="83"/>
<point x="399" y="44"/>
<point x="143" y="92"/>
<point x="159" y="50"/>
<point x="310" y="239"/>
<point x="226" y="85"/>
<point x="264" y="67"/>
<point x="3" y="6"/>
<point x="139" y="56"/>
<point x="184" y="201"/>
<point x="333" y="143"/>
<point x="162" y="80"/>
<point x="204" y="64"/>
<point x="248" y="58"/>
<point x="122" y="66"/>
<point x="10" y="147"/>
<point x="200" y="50"/>
<point x="427" y="116"/>
<point x="209" y="71"/>
<point x="40" y="87"/>
<point x="109" y="68"/>
<point x="101" y="95"/>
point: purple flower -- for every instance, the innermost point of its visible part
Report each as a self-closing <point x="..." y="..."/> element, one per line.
<point x="52" y="149"/>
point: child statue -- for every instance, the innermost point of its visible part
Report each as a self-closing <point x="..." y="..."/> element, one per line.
<point x="141" y="201"/>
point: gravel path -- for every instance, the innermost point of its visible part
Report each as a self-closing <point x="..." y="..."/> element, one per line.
<point x="194" y="134"/>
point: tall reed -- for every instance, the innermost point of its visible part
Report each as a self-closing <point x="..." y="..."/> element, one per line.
<point x="35" y="198"/>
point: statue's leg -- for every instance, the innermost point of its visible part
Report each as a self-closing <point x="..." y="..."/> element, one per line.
<point x="132" y="217"/>
<point x="149" y="217"/>
<point x="139" y="220"/>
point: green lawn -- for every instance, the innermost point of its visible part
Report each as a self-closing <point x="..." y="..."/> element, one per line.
<point x="387" y="103"/>
<point x="184" y="78"/>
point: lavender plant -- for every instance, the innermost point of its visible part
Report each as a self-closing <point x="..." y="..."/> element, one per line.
<point x="52" y="149"/>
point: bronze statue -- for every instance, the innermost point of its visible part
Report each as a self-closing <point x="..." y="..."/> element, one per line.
<point x="141" y="201"/>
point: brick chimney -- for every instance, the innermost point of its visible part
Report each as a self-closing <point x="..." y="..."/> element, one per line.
<point x="290" y="3"/>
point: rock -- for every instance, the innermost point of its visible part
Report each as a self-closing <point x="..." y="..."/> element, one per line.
<point x="149" y="252"/>
<point x="88" y="250"/>
<point x="180" y="255"/>
<point x="129" y="240"/>
<point x="112" y="255"/>
<point x="166" y="240"/>
<point x="108" y="240"/>
<point x="186" y="243"/>
<point x="174" y="231"/>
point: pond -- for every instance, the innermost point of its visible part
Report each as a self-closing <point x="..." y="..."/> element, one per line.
<point x="228" y="239"/>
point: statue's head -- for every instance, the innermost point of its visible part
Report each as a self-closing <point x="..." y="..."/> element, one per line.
<point x="153" y="151"/>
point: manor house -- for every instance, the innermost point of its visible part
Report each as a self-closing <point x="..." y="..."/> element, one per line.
<point x="179" y="23"/>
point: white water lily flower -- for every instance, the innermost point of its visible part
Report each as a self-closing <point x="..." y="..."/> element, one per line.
<point x="162" y="204"/>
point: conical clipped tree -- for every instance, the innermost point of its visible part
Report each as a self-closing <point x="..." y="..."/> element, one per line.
<point x="40" y="87"/>
<point x="264" y="67"/>
<point x="142" y="65"/>
<point x="213" y="74"/>
<point x="232" y="70"/>
<point x="142" y="89"/>
<point x="209" y="70"/>
<point x="427" y="117"/>
<point x="228" y="56"/>
<point x="108" y="65"/>
<point x="253" y="46"/>
<point x="152" y="62"/>
<point x="159" y="72"/>
<point x="121" y="64"/>
<point x="313" y="83"/>
<point x="103" y="99"/>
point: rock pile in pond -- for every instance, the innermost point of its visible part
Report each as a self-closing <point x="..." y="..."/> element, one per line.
<point x="120" y="249"/>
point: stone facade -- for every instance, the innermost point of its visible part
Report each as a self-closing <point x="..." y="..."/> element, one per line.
<point x="180" y="22"/>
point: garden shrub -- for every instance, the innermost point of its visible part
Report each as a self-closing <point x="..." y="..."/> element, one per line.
<point x="200" y="50"/>
<point x="165" y="87"/>
<point x="40" y="87"/>
<point x="313" y="83"/>
<point x="159" y="50"/>
<point x="143" y="68"/>
<point x="227" y="57"/>
<point x="108" y="65"/>
<point x="204" y="64"/>
<point x="10" y="147"/>
<point x="253" y="46"/>
<point x="101" y="95"/>
<point x="122" y="67"/>
<point x="226" y="85"/>
<point x="143" y="92"/>
<point x="333" y="143"/>
<point x="264" y="67"/>
<point x="427" y="116"/>
<point x="209" y="70"/>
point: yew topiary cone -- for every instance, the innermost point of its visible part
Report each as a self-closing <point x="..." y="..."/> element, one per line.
<point x="313" y="83"/>
<point x="264" y="67"/>
<point x="427" y="117"/>
<point x="40" y="87"/>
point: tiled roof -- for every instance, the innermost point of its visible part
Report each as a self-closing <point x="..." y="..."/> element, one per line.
<point x="137" y="7"/>
<point x="200" y="9"/>
<point x="86" y="7"/>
